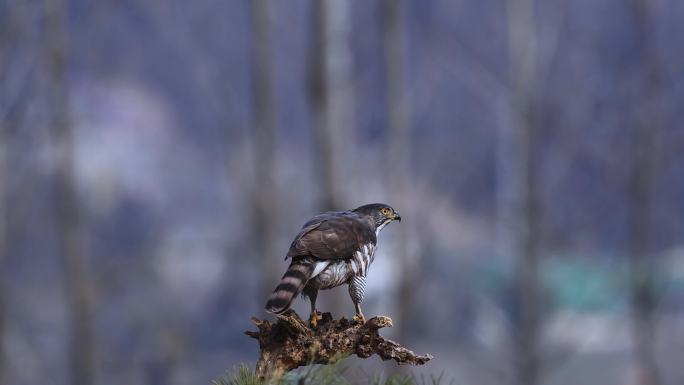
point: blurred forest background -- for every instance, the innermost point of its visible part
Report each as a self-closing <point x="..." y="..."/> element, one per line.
<point x="157" y="157"/>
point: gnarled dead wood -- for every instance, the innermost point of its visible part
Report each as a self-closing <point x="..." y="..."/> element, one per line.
<point x="290" y="343"/>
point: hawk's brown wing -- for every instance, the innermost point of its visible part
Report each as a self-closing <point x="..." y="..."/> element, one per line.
<point x="335" y="235"/>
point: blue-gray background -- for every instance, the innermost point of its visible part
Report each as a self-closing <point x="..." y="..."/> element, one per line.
<point x="533" y="148"/>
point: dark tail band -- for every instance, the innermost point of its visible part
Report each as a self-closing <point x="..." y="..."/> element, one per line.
<point x="291" y="285"/>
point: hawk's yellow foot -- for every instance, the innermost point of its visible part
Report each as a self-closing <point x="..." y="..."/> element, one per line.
<point x="314" y="318"/>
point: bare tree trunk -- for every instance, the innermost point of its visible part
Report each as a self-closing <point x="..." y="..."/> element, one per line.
<point x="4" y="187"/>
<point x="79" y="289"/>
<point x="264" y="200"/>
<point x="642" y="266"/>
<point x="523" y="56"/>
<point x="398" y="151"/>
<point x="330" y="94"/>
<point x="10" y="30"/>
<point x="3" y="238"/>
<point x="527" y="268"/>
<point x="331" y="99"/>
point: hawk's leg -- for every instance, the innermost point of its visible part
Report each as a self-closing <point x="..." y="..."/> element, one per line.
<point x="315" y="314"/>
<point x="357" y="285"/>
<point x="359" y="315"/>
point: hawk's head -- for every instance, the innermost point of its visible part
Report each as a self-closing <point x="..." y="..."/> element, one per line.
<point x="379" y="214"/>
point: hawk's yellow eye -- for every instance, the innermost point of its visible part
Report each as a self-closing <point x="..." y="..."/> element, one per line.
<point x="385" y="211"/>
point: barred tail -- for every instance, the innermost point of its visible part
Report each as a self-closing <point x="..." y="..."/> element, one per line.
<point x="290" y="286"/>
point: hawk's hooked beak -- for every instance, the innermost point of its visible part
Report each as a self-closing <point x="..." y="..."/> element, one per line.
<point x="397" y="217"/>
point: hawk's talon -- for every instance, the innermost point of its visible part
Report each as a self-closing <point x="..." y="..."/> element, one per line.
<point x="359" y="318"/>
<point x="314" y="318"/>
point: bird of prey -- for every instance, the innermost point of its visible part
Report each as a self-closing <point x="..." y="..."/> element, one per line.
<point x="331" y="249"/>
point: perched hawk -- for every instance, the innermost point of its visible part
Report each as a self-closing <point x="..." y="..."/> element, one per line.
<point x="331" y="249"/>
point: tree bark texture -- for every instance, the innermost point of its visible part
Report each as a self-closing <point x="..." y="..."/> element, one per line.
<point x="290" y="343"/>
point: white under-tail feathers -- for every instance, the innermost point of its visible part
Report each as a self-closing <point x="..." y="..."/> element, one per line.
<point x="336" y="272"/>
<point x="319" y="267"/>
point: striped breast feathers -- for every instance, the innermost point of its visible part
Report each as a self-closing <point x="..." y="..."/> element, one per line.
<point x="362" y="259"/>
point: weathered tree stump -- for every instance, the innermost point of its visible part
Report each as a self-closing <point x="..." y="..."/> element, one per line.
<point x="291" y="343"/>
